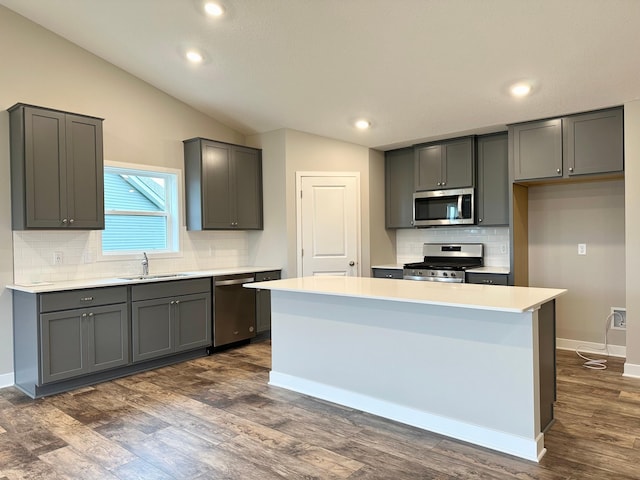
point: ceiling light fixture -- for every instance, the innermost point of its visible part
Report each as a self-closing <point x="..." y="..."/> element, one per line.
<point x="520" y="89"/>
<point x="213" y="9"/>
<point x="194" y="56"/>
<point x="362" y="124"/>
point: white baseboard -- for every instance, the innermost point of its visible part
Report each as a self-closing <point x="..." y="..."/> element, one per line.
<point x="6" y="380"/>
<point x="631" y="370"/>
<point x="528" y="448"/>
<point x="591" y="347"/>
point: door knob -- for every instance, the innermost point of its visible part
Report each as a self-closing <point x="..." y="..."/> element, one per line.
<point x="352" y="263"/>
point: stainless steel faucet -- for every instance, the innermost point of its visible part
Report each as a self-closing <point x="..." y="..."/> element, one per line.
<point x="145" y="264"/>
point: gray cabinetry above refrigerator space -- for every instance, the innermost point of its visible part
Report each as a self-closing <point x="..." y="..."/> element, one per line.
<point x="579" y="145"/>
<point x="445" y="165"/>
<point x="223" y="186"/>
<point x="57" y="179"/>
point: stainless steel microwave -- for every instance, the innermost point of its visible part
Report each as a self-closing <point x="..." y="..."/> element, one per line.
<point x="443" y="207"/>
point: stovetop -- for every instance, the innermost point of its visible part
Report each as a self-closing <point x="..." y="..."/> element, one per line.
<point x="442" y="256"/>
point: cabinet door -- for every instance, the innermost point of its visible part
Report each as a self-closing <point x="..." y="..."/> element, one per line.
<point x="152" y="329"/>
<point x="216" y="186"/>
<point x="493" y="180"/>
<point x="399" y="186"/>
<point x="458" y="163"/>
<point x="192" y="315"/>
<point x="537" y="149"/>
<point x="428" y="168"/>
<point x="84" y="172"/>
<point x="108" y="337"/>
<point x="247" y="188"/>
<point x="63" y="346"/>
<point x="45" y="187"/>
<point x="594" y="142"/>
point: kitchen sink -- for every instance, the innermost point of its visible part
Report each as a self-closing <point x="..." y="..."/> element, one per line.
<point x="154" y="277"/>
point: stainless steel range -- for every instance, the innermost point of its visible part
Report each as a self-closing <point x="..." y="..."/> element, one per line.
<point x="445" y="262"/>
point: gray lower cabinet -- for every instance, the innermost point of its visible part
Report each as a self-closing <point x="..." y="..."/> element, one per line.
<point x="445" y="165"/>
<point x="399" y="185"/>
<point x="577" y="145"/>
<point x="387" y="273"/>
<point x="67" y="335"/>
<point x="77" y="342"/>
<point x="57" y="177"/>
<point x="492" y="199"/>
<point x="263" y="301"/>
<point x="170" y="317"/>
<point x="487" y="278"/>
<point x="223" y="186"/>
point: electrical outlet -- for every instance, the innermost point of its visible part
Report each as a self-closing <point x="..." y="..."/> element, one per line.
<point x="582" y="249"/>
<point x="503" y="248"/>
<point x="618" y="318"/>
<point x="57" y="258"/>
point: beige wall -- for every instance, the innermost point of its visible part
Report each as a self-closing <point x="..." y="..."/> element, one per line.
<point x="142" y="124"/>
<point x="632" y="233"/>
<point x="560" y="217"/>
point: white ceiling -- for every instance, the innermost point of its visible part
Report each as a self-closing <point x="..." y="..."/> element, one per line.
<point x="418" y="69"/>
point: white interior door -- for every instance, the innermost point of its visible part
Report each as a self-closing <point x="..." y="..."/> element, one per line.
<point x="328" y="224"/>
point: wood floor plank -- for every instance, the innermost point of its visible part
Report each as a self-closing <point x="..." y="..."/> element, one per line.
<point x="73" y="464"/>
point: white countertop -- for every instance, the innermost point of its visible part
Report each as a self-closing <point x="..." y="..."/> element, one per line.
<point x="464" y="295"/>
<point x="44" y="287"/>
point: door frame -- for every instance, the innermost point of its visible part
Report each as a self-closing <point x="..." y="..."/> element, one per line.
<point x="299" y="177"/>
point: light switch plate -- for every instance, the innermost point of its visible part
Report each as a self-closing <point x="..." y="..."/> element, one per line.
<point x="582" y="249"/>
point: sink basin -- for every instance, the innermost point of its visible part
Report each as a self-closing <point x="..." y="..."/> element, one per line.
<point x="154" y="277"/>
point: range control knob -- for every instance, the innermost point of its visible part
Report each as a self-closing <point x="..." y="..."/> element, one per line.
<point x="453" y="274"/>
<point x="445" y="274"/>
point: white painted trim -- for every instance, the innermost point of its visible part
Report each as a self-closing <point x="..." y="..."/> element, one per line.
<point x="503" y="442"/>
<point x="591" y="347"/>
<point x="299" y="176"/>
<point x="6" y="380"/>
<point x="631" y="370"/>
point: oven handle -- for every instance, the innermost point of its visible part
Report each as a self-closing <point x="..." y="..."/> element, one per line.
<point x="433" y="279"/>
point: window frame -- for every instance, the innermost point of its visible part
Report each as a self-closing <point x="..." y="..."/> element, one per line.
<point x="173" y="207"/>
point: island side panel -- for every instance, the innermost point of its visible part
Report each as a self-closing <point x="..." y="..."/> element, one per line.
<point x="462" y="367"/>
<point x="547" y="342"/>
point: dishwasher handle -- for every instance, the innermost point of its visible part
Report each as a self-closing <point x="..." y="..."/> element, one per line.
<point x="235" y="281"/>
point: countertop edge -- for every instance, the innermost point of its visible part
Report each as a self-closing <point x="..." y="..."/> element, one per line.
<point x="46" y="287"/>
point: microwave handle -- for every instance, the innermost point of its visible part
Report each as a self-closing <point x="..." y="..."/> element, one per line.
<point x="459" y="206"/>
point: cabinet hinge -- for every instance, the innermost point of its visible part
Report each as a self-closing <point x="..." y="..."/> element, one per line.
<point x="300" y="193"/>
<point x="302" y="252"/>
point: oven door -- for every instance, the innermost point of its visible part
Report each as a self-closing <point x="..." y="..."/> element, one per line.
<point x="443" y="207"/>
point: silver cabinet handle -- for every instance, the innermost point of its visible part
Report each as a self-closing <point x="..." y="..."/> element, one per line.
<point x="86" y="299"/>
<point x="91" y="314"/>
<point x="571" y="169"/>
<point x="71" y="220"/>
<point x="84" y="315"/>
<point x="177" y="302"/>
<point x="64" y="221"/>
<point x="479" y="220"/>
<point x="557" y="170"/>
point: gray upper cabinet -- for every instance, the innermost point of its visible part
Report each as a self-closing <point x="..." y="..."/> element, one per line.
<point x="445" y="165"/>
<point x="399" y="185"/>
<point x="223" y="186"/>
<point x="594" y="142"/>
<point x="57" y="176"/>
<point x="492" y="199"/>
<point x="585" y="144"/>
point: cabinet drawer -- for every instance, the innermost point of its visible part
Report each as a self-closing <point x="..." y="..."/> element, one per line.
<point x="266" y="276"/>
<point x="90" y="297"/>
<point x="172" y="288"/>
<point x="387" y="273"/>
<point x="487" y="278"/>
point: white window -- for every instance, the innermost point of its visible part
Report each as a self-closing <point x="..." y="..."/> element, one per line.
<point x="140" y="210"/>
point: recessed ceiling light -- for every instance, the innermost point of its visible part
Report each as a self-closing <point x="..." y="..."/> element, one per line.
<point x="362" y="124"/>
<point x="520" y="89"/>
<point x="194" y="56"/>
<point x="214" y="9"/>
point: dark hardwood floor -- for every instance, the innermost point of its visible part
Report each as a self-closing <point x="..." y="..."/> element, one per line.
<point x="216" y="418"/>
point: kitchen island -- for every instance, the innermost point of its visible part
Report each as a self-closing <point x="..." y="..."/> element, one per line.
<point x="473" y="362"/>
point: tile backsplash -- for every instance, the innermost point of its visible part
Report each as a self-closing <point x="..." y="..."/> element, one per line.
<point x="495" y="239"/>
<point x="34" y="255"/>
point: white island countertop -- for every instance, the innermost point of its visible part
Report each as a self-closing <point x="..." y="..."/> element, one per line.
<point x="463" y="295"/>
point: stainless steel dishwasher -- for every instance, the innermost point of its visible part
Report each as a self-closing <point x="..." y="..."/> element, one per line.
<point x="234" y="309"/>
